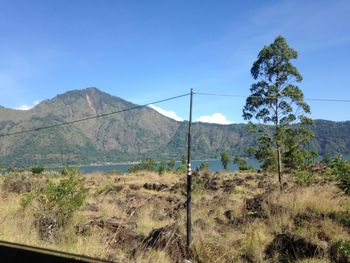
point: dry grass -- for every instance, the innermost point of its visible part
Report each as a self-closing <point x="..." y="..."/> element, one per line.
<point x="223" y="230"/>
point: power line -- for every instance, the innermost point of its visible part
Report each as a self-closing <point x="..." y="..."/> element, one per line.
<point x="93" y="117"/>
<point x="242" y="96"/>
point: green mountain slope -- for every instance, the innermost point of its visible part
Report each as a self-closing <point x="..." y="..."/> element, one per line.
<point x="128" y="136"/>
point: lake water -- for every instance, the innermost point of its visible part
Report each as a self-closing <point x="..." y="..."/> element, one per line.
<point x="214" y="166"/>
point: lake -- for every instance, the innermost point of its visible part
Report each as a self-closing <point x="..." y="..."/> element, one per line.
<point x="214" y="166"/>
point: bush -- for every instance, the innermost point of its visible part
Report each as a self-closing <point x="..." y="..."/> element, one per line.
<point x="181" y="169"/>
<point x="171" y="165"/>
<point x="242" y="164"/>
<point x="60" y="199"/>
<point x="341" y="169"/>
<point x="10" y="169"/>
<point x="304" y="178"/>
<point x="204" y="166"/>
<point x="162" y="168"/>
<point x="145" y="165"/>
<point x="69" y="170"/>
<point x="340" y="251"/>
<point x="37" y="170"/>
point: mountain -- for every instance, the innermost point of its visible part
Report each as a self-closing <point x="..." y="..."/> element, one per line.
<point x="127" y="136"/>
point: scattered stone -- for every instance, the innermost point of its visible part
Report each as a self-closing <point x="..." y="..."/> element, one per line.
<point x="47" y="227"/>
<point x="255" y="205"/>
<point x="134" y="187"/>
<point x="228" y="186"/>
<point x="17" y="183"/>
<point x="307" y="217"/>
<point x="169" y="239"/>
<point x="289" y="248"/>
<point x="114" y="189"/>
<point x="155" y="187"/>
<point x="249" y="177"/>
<point x="91" y="207"/>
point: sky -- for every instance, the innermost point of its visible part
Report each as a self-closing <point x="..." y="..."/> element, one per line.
<point x="144" y="51"/>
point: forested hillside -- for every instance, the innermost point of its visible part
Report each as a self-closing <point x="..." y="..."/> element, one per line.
<point x="128" y="136"/>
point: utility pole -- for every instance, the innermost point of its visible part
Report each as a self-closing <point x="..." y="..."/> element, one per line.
<point x="189" y="180"/>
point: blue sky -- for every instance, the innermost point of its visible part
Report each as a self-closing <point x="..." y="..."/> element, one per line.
<point x="148" y="50"/>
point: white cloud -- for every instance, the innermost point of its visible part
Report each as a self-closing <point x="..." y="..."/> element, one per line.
<point x="218" y="118"/>
<point x="28" y="107"/>
<point x="170" y="114"/>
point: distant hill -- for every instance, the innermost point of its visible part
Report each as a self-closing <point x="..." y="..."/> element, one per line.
<point x="128" y="136"/>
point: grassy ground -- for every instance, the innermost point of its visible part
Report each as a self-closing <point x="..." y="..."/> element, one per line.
<point x="237" y="217"/>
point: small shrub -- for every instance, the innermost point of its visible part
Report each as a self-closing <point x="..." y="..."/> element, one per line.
<point x="146" y="165"/>
<point x="304" y="178"/>
<point x="60" y="199"/>
<point x="162" y="168"/>
<point x="171" y="165"/>
<point x="341" y="169"/>
<point x="340" y="251"/>
<point x="204" y="166"/>
<point x="37" y="170"/>
<point x="10" y="169"/>
<point x="181" y="169"/>
<point x="69" y="170"/>
<point x="242" y="164"/>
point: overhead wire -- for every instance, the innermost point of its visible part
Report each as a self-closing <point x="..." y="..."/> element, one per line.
<point x="245" y="96"/>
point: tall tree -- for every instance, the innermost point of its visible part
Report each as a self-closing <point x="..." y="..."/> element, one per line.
<point x="276" y="100"/>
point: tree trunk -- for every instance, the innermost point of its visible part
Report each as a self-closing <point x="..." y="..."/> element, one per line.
<point x="279" y="167"/>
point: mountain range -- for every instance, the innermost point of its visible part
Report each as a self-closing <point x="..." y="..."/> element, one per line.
<point x="127" y="136"/>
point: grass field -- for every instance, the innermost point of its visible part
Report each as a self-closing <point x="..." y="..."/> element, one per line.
<point x="140" y="217"/>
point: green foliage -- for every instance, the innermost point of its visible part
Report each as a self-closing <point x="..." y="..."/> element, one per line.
<point x="304" y="178"/>
<point x="340" y="251"/>
<point x="145" y="165"/>
<point x="60" y="198"/>
<point x="181" y="169"/>
<point x="274" y="99"/>
<point x="67" y="170"/>
<point x="10" y="169"/>
<point x="341" y="169"/>
<point x="27" y="200"/>
<point x="171" y="165"/>
<point x="183" y="160"/>
<point x="64" y="197"/>
<point x="37" y="170"/>
<point x="162" y="168"/>
<point x="204" y="166"/>
<point x="242" y="164"/>
<point x="225" y="159"/>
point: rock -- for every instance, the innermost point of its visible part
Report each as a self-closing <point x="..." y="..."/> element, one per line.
<point x="47" y="227"/>
<point x="169" y="239"/>
<point x="289" y="248"/>
<point x="134" y="187"/>
<point x="91" y="207"/>
<point x="255" y="205"/>
<point x="155" y="187"/>
<point x="114" y="189"/>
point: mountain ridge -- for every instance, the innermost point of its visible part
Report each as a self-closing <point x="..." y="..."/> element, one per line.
<point x="127" y="136"/>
